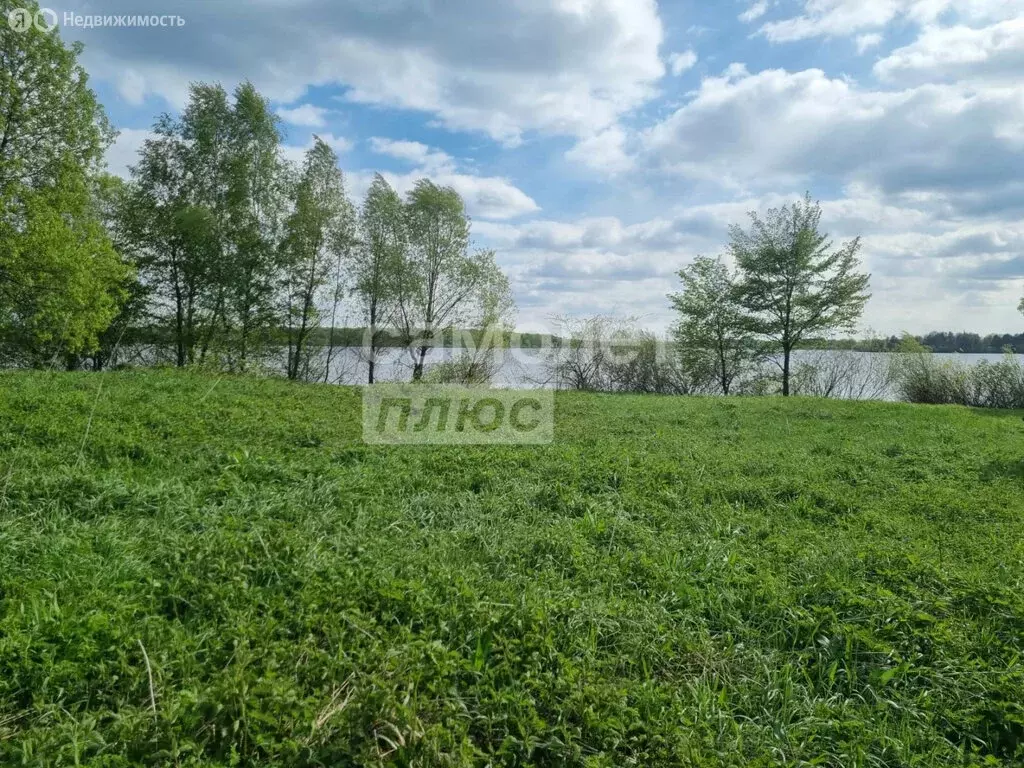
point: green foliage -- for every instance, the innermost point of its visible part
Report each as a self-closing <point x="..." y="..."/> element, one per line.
<point x="675" y="581"/>
<point x="443" y="285"/>
<point x="111" y="201"/>
<point x="206" y="216"/>
<point x="318" y="236"/>
<point x="919" y="377"/>
<point x="48" y="115"/>
<point x="793" y="283"/>
<point x="376" y="266"/>
<point x="713" y="333"/>
<point x="466" y="369"/>
<point x="256" y="199"/>
<point x="240" y="257"/>
<point x="60" y="280"/>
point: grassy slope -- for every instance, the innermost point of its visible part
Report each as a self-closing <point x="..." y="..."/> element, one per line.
<point x="675" y="581"/>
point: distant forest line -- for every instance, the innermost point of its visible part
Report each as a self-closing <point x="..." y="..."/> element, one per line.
<point x="962" y="342"/>
<point x="937" y="341"/>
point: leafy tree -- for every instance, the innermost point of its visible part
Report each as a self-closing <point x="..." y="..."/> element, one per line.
<point x="111" y="202"/>
<point x="206" y="219"/>
<point x="377" y="262"/>
<point x="318" y="234"/>
<point x="443" y="286"/>
<point x="60" y="279"/>
<point x="256" y="199"/>
<point x="712" y="335"/>
<point x="199" y="212"/>
<point x="793" y="283"/>
<point x="48" y="114"/>
<point x="174" y="235"/>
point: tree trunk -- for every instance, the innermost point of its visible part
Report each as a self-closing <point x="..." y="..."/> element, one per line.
<point x="179" y="326"/>
<point x="785" y="371"/>
<point x="373" y="338"/>
<point x="723" y="368"/>
<point x="417" y="370"/>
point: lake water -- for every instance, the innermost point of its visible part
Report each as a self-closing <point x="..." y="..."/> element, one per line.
<point x="851" y="375"/>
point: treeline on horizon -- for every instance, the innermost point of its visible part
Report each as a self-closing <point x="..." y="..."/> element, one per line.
<point x="943" y="342"/>
<point x="962" y="342"/>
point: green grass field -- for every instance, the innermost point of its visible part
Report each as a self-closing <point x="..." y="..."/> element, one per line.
<point x="676" y="581"/>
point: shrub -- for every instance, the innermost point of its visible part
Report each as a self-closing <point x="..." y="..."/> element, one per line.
<point x="919" y="377"/>
<point x="467" y="370"/>
<point x="843" y="374"/>
<point x="654" y="368"/>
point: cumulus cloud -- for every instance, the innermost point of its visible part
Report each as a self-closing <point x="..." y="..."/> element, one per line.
<point x="681" y="62"/>
<point x="777" y="128"/>
<point x="841" y="18"/>
<point x="868" y="41"/>
<point x="923" y="156"/>
<point x="414" y="152"/>
<point x="307" y="115"/>
<point x="487" y="197"/>
<point x="605" y="152"/>
<point x="926" y="261"/>
<point x="956" y="54"/>
<point x="754" y="12"/>
<point x="554" y="66"/>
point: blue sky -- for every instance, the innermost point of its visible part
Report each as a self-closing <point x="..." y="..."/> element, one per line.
<point x="602" y="144"/>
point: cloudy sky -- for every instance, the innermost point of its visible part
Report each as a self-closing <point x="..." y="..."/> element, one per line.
<point x="602" y="144"/>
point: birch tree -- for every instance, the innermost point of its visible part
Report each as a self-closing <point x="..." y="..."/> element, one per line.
<point x="376" y="265"/>
<point x="318" y="234"/>
<point x="443" y="285"/>
<point x="712" y="335"/>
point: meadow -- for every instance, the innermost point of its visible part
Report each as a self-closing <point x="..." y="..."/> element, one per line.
<point x="200" y="570"/>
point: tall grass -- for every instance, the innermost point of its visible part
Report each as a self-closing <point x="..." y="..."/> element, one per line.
<point x="919" y="377"/>
<point x="200" y="571"/>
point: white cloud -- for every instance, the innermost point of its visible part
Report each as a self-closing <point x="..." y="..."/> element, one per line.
<point x="131" y="86"/>
<point x="930" y="155"/>
<point x="681" y="62"/>
<point x="307" y="115"/>
<point x="735" y="70"/>
<point x="487" y="197"/>
<point x="840" y="18"/>
<point x="868" y="41"/>
<point x="776" y="127"/>
<point x="925" y="261"/>
<point x="605" y="152"/>
<point x="124" y="152"/>
<point x="955" y="54"/>
<point x="414" y="152"/>
<point x="555" y="66"/>
<point x="754" y="12"/>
